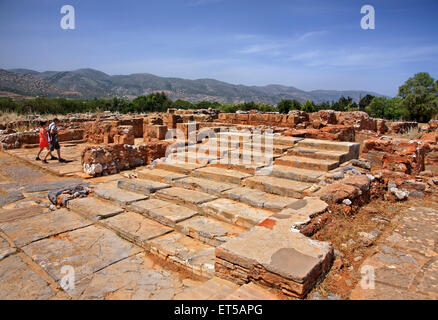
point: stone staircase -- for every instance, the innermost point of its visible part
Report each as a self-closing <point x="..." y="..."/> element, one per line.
<point x="219" y="221"/>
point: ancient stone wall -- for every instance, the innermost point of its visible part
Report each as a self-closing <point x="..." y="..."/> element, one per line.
<point x="113" y="158"/>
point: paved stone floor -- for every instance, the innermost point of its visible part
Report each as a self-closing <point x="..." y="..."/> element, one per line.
<point x="405" y="262"/>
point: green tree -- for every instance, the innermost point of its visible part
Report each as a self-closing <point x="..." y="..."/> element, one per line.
<point x="365" y="101"/>
<point x="420" y="97"/>
<point x="308" y="106"/>
<point x="284" y="106"/>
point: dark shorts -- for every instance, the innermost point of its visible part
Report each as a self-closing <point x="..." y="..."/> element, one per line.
<point x="54" y="145"/>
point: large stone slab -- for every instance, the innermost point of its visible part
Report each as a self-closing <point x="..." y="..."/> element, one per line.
<point x="298" y="174"/>
<point x="10" y="197"/>
<point x="208" y="230"/>
<point x="129" y="279"/>
<point x="87" y="250"/>
<point x="25" y="231"/>
<point x="5" y="249"/>
<point x="349" y="147"/>
<point x="184" y="196"/>
<point x="307" y="163"/>
<point x="94" y="208"/>
<point x="19" y="282"/>
<point x="204" y="185"/>
<point x="251" y="292"/>
<point x="213" y="289"/>
<point x="119" y="196"/>
<point x="162" y="211"/>
<point x="159" y="175"/>
<point x="19" y="213"/>
<point x="178" y="166"/>
<point x="260" y="199"/>
<point x="136" y="228"/>
<point x="277" y="257"/>
<point x="220" y="174"/>
<point x="235" y="212"/>
<point x="141" y="186"/>
<point x="299" y="213"/>
<point x="182" y="250"/>
<point x="279" y="186"/>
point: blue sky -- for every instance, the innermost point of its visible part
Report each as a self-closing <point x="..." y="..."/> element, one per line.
<point x="308" y="44"/>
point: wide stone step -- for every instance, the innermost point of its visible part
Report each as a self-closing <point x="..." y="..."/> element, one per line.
<point x="347" y="147"/>
<point x="178" y="166"/>
<point x="164" y="212"/>
<point x="259" y="199"/>
<point x="275" y="257"/>
<point x="288" y="141"/>
<point x="307" y="163"/>
<point x="298" y="174"/>
<point x="119" y="196"/>
<point x="276" y="148"/>
<point x="250" y="168"/>
<point x="213" y="289"/>
<point x="208" y="230"/>
<point x="93" y="208"/>
<point x="186" y="252"/>
<point x="185" y="197"/>
<point x="220" y="174"/>
<point x="159" y="175"/>
<point x="141" y="186"/>
<point x="279" y="186"/>
<point x="197" y="157"/>
<point x="235" y="212"/>
<point x="204" y="185"/>
<point x="339" y="156"/>
<point x="136" y="228"/>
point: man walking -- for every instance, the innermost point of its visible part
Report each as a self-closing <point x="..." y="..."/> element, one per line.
<point x="53" y="138"/>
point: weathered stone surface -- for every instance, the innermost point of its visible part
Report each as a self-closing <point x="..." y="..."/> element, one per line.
<point x="235" y="212"/>
<point x="10" y="197"/>
<point x="5" y="249"/>
<point x="299" y="213"/>
<point x="251" y="292"/>
<point x="208" y="230"/>
<point x="205" y="185"/>
<point x="298" y="174"/>
<point x="28" y="230"/>
<point x="19" y="213"/>
<point x="222" y="175"/>
<point x="159" y="175"/>
<point x="286" y="260"/>
<point x="185" y="251"/>
<point x="93" y="208"/>
<point x="279" y="186"/>
<point x="307" y="163"/>
<point x="18" y="282"/>
<point x="141" y="186"/>
<point x="119" y="196"/>
<point x="136" y="228"/>
<point x="87" y="250"/>
<point x="165" y="212"/>
<point x="128" y="279"/>
<point x="213" y="289"/>
<point x="184" y="196"/>
<point x="258" y="198"/>
<point x="178" y="166"/>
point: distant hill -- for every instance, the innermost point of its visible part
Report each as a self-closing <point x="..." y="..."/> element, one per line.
<point x="89" y="83"/>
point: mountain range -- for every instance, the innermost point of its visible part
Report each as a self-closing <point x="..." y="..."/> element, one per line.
<point x="90" y="83"/>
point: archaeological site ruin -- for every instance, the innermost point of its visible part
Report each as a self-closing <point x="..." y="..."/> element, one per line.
<point x="201" y="204"/>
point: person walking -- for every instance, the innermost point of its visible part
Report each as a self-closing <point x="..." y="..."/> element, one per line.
<point x="44" y="143"/>
<point x="53" y="139"/>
